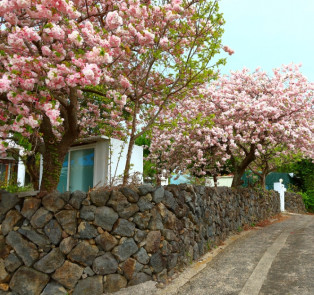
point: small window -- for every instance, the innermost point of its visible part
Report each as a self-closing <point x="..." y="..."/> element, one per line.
<point x="77" y="171"/>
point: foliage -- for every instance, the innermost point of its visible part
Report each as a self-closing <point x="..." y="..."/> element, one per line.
<point x="149" y="172"/>
<point x="14" y="187"/>
<point x="304" y="173"/>
<point x="308" y="199"/>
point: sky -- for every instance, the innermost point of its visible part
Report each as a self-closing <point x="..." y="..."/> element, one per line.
<point x="269" y="33"/>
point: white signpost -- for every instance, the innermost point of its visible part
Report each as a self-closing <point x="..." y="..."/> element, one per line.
<point x="280" y="188"/>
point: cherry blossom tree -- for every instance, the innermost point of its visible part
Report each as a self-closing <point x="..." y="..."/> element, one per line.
<point x="178" y="57"/>
<point x="71" y="68"/>
<point x="236" y="119"/>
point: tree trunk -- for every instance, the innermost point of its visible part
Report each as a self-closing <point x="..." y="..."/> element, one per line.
<point x="55" y="150"/>
<point x="263" y="180"/>
<point x="53" y="158"/>
<point x="33" y="170"/>
<point x="126" y="174"/>
<point x="239" y="169"/>
<point x="237" y="181"/>
<point x="133" y="137"/>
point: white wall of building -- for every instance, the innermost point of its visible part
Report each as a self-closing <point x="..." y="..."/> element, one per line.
<point x="109" y="160"/>
<point x="21" y="169"/>
<point x="117" y="159"/>
<point x="221" y="181"/>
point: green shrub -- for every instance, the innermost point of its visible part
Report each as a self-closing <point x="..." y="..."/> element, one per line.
<point x="308" y="199"/>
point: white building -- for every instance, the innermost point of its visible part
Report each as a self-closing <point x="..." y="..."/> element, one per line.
<point x="225" y="180"/>
<point x="91" y="162"/>
<point x="98" y="161"/>
<point x="12" y="170"/>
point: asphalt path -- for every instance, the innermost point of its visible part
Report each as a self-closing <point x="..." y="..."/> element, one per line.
<point x="277" y="259"/>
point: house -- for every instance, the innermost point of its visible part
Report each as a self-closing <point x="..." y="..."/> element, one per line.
<point x="90" y="162"/>
<point x="98" y="161"/>
<point x="12" y="170"/>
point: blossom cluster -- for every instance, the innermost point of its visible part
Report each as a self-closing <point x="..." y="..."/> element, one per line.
<point x="237" y="119"/>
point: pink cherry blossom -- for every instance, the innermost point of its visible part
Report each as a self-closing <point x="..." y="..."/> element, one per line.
<point x="113" y="20"/>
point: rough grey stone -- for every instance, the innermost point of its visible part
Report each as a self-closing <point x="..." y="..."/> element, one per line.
<point x="165" y="248"/>
<point x="172" y="260"/>
<point x="105" y="264"/>
<point x="4" y="247"/>
<point x="53" y="202"/>
<point x="77" y="198"/>
<point x="88" y="213"/>
<point x="155" y="222"/>
<point x="141" y="256"/>
<point x="158" y="194"/>
<point x="84" y="253"/>
<point x="7" y="202"/>
<point x="54" y="288"/>
<point x="90" y="285"/>
<point x="169" y="234"/>
<point x="148" y="270"/>
<point x="30" y="206"/>
<point x="153" y="241"/>
<point x="170" y="202"/>
<point x="105" y="217"/>
<point x="125" y="250"/>
<point x="162" y="276"/>
<point x="89" y="271"/>
<point x="140" y="235"/>
<point x="145" y="189"/>
<point x="68" y="274"/>
<point x="87" y="231"/>
<point x="142" y="219"/>
<point x="210" y="231"/>
<point x="67" y="245"/>
<point x="41" y="218"/>
<point x="99" y="198"/>
<point x="130" y="267"/>
<point x="129" y="211"/>
<point x="130" y="194"/>
<point x="114" y="282"/>
<point x="25" y="250"/>
<point x="11" y="219"/>
<point x="66" y="196"/>
<point x="12" y="262"/>
<point x="145" y="203"/>
<point x="28" y="281"/>
<point x="53" y="231"/>
<point x="124" y="228"/>
<point x="67" y="219"/>
<point x="118" y="201"/>
<point x="49" y="263"/>
<point x="40" y="240"/>
<point x="106" y="241"/>
<point x="4" y="276"/>
<point x="139" y="278"/>
<point x="158" y="262"/>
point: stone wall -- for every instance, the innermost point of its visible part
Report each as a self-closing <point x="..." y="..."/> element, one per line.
<point x="294" y="203"/>
<point x="102" y="241"/>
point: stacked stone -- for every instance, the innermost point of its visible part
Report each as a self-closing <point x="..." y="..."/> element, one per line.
<point x="106" y="240"/>
<point x="294" y="203"/>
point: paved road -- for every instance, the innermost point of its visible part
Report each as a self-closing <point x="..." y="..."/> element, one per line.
<point x="278" y="259"/>
<point x="274" y="260"/>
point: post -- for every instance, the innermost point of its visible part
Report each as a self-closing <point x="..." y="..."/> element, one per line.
<point x="280" y="188"/>
<point x="164" y="178"/>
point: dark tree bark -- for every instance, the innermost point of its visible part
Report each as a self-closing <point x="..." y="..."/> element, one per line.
<point x="239" y="168"/>
<point x="55" y="149"/>
<point x="32" y="169"/>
